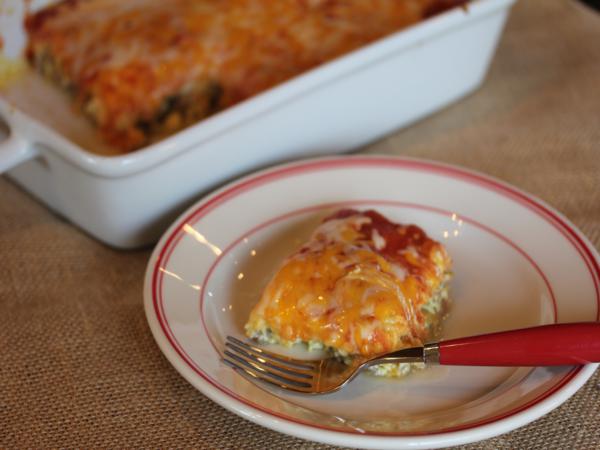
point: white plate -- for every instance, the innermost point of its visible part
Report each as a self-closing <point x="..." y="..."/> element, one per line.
<point x="517" y="263"/>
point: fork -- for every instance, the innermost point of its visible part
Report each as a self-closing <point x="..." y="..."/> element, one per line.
<point x="546" y="345"/>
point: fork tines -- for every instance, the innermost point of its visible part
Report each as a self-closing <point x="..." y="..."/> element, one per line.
<point x="287" y="373"/>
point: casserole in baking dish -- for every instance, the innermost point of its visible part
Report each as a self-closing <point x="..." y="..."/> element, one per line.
<point x="126" y="200"/>
<point x="145" y="69"/>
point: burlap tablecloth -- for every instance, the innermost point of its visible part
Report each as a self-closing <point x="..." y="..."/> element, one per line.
<point x="79" y="367"/>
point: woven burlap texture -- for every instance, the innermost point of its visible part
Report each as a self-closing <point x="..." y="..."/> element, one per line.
<point x="79" y="367"/>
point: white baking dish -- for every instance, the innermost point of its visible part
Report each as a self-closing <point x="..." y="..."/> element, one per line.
<point x="126" y="201"/>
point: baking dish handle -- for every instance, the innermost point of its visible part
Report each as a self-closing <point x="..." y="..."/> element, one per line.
<point x="14" y="150"/>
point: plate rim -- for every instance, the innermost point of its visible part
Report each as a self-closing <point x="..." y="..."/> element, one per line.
<point x="526" y="414"/>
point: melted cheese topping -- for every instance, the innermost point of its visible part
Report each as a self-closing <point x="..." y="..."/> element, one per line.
<point x="356" y="286"/>
<point x="123" y="59"/>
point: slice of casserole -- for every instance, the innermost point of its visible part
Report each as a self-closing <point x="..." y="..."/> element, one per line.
<point x="143" y="69"/>
<point x="361" y="285"/>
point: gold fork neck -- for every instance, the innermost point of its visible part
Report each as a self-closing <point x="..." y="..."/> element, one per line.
<point x="406" y="355"/>
<point x="428" y="354"/>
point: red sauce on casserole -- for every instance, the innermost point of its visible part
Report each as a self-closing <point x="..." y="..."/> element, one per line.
<point x="397" y="237"/>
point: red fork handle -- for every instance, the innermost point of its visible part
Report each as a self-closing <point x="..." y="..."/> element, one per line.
<point x="547" y="345"/>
